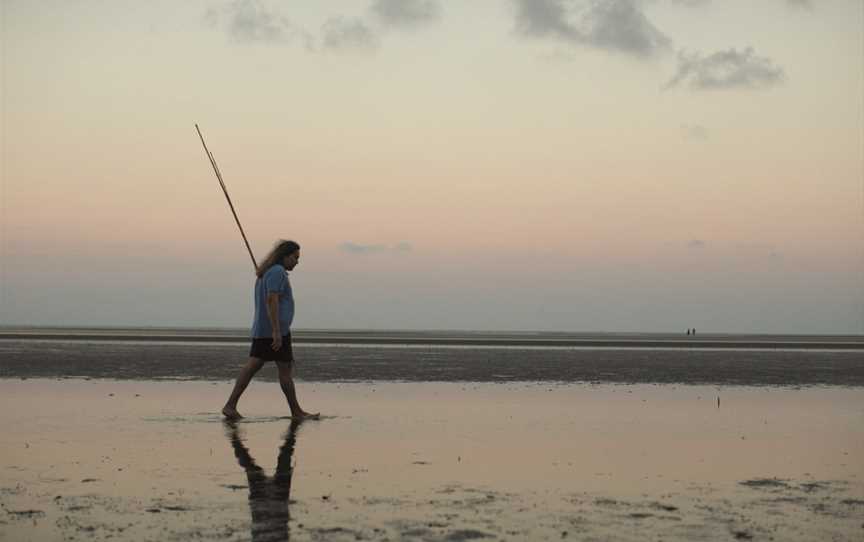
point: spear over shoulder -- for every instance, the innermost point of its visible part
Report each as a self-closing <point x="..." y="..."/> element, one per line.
<point x="227" y="197"/>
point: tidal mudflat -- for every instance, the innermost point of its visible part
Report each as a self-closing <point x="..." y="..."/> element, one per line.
<point x="143" y="460"/>
<point x="201" y="358"/>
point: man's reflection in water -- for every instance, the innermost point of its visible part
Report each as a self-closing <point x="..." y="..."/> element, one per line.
<point x="268" y="496"/>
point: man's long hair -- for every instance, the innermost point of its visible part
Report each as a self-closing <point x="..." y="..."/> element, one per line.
<point x="281" y="249"/>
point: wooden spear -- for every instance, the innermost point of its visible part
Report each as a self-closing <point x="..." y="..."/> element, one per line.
<point x="225" y="191"/>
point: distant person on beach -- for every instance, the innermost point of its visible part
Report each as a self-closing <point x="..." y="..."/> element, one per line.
<point x="271" y="328"/>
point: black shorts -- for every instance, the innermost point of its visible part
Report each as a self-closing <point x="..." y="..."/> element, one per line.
<point x="263" y="350"/>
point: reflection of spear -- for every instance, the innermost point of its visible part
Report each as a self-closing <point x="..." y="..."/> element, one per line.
<point x="225" y="191"/>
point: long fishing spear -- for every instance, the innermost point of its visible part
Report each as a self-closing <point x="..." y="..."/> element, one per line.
<point x="225" y="191"/>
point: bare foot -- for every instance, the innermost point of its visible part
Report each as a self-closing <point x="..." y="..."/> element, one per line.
<point x="231" y="413"/>
<point x="306" y="416"/>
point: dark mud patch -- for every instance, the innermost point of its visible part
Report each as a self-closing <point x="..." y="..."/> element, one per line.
<point x="415" y="532"/>
<point x="26" y="513"/>
<point x="815" y="498"/>
<point x="766" y="483"/>
<point x="471" y="499"/>
<point x="664" y="507"/>
<point x="810" y="487"/>
<point x="78" y="508"/>
<point x="70" y="525"/>
<point x="329" y="533"/>
<point x="467" y="534"/>
<point x="793" y="488"/>
<point x="615" y="511"/>
<point x="379" y="501"/>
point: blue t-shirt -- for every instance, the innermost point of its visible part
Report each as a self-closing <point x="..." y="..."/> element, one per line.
<point x="274" y="280"/>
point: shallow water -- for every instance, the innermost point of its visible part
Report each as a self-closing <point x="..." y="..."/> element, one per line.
<point x="145" y="460"/>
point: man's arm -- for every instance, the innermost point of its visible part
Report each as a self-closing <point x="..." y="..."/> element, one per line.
<point x="273" y="315"/>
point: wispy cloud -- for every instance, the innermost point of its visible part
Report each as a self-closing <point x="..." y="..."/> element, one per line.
<point x="406" y="13"/>
<point x="691" y="3"/>
<point x="612" y="25"/>
<point x="726" y="70"/>
<point x="800" y="4"/>
<point x="795" y="4"/>
<point x="357" y="248"/>
<point x="263" y="21"/>
<point x="254" y="21"/>
<point x="347" y="34"/>
<point x="259" y="21"/>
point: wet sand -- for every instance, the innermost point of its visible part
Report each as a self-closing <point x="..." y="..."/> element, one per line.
<point x="448" y="338"/>
<point x="143" y="460"/>
<point x="149" y="359"/>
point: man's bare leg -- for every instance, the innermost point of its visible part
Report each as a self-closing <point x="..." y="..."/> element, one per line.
<point x="286" y="382"/>
<point x="246" y="373"/>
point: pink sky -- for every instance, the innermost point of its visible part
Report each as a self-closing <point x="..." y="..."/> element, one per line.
<point x="532" y="180"/>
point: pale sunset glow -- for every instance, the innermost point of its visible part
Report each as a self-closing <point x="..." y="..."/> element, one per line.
<point x="618" y="165"/>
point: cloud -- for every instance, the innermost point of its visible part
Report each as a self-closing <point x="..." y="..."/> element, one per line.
<point x="694" y="132"/>
<point x="543" y="18"/>
<point x="726" y="70"/>
<point x="252" y="21"/>
<point x="612" y="25"/>
<point x="406" y="13"/>
<point x="347" y="33"/>
<point x="800" y="4"/>
<point x="356" y="248"/>
<point x="259" y="21"/>
<point x="696" y="244"/>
